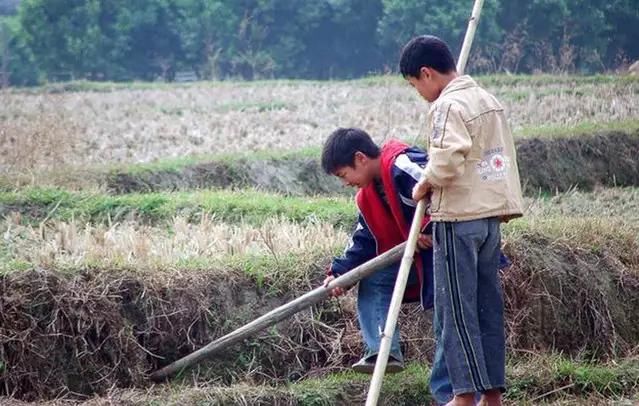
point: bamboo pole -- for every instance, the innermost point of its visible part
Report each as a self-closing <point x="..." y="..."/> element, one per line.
<point x="276" y="315"/>
<point x="470" y="35"/>
<point x="395" y="304"/>
<point x="407" y="259"/>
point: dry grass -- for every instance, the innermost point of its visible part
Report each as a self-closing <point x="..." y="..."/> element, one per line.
<point x="179" y="241"/>
<point x="147" y="124"/>
<point x="572" y="287"/>
<point x="603" y="203"/>
<point x="71" y="245"/>
<point x="44" y="138"/>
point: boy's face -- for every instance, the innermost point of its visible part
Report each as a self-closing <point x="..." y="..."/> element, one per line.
<point x="359" y="175"/>
<point x="425" y="84"/>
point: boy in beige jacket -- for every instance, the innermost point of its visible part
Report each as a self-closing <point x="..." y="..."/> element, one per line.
<point x="472" y="181"/>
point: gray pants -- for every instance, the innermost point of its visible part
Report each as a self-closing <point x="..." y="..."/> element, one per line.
<point x="469" y="308"/>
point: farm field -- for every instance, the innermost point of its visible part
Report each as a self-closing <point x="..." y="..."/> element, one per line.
<point x="138" y="222"/>
<point x="97" y="125"/>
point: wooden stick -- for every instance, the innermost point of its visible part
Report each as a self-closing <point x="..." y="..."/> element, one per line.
<point x="395" y="304"/>
<point x="470" y="35"/>
<point x="276" y="315"/>
<point x="407" y="259"/>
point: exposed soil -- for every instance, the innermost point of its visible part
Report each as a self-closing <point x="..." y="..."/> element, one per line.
<point x="545" y="165"/>
<point x="293" y="176"/>
<point x="606" y="159"/>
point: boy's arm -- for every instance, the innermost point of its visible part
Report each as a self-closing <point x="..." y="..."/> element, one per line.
<point x="407" y="172"/>
<point x="449" y="144"/>
<point x="361" y="249"/>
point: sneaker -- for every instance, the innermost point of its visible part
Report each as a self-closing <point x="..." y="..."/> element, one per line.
<point x="366" y="365"/>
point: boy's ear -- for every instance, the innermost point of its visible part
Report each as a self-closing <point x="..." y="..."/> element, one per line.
<point x="426" y="72"/>
<point x="359" y="157"/>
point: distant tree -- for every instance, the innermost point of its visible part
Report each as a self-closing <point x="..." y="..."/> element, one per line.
<point x="344" y="43"/>
<point x="404" y="19"/>
<point x="99" y="39"/>
<point x="622" y="18"/>
<point x="206" y="33"/>
<point x="67" y="38"/>
<point x="8" y="7"/>
<point x="16" y="59"/>
<point x="149" y="41"/>
<point x="558" y="35"/>
<point x="320" y="39"/>
<point x="5" y="53"/>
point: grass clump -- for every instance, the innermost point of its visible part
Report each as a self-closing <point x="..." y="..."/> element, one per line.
<point x="548" y="378"/>
<point x="532" y="380"/>
<point x="546" y="79"/>
<point x="38" y="204"/>
<point x="265" y="251"/>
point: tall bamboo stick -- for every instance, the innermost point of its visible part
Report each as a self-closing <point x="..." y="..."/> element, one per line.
<point x="395" y="304"/>
<point x="470" y="36"/>
<point x="407" y="259"/>
<point x="276" y="315"/>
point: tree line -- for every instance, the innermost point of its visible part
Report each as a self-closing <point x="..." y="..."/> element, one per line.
<point x="119" y="40"/>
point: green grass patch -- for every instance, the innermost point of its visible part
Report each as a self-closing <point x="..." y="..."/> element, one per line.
<point x="372" y="80"/>
<point x="537" y="380"/>
<point x="546" y="79"/>
<point x="278" y="272"/>
<point x="593" y="232"/>
<point x="407" y="388"/>
<point x="604" y="204"/>
<point x="549" y="377"/>
<point x="530" y="379"/>
<point x="37" y="204"/>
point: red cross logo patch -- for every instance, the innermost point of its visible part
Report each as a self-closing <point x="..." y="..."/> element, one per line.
<point x="497" y="162"/>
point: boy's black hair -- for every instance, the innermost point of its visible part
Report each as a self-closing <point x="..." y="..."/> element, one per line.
<point x="340" y="148"/>
<point x="428" y="51"/>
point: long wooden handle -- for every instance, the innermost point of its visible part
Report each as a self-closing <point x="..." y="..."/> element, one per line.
<point x="276" y="315"/>
<point x="470" y="35"/>
<point x="395" y="304"/>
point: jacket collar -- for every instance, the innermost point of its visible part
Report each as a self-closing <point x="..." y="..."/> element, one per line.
<point x="459" y="83"/>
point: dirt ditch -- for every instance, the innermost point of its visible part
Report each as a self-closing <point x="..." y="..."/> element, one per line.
<point x="85" y="332"/>
<point x="545" y="164"/>
<point x="292" y="176"/>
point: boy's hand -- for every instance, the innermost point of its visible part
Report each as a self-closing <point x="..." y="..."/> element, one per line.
<point x="335" y="292"/>
<point x="425" y="241"/>
<point x="421" y="189"/>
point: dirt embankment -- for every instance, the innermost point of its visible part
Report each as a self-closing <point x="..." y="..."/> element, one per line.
<point x="606" y="159"/>
<point x="292" y="176"/>
<point x="86" y="332"/>
<point x="545" y="165"/>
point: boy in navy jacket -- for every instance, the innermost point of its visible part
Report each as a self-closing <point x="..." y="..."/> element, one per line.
<point x="385" y="178"/>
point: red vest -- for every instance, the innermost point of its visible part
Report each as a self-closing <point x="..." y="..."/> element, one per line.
<point x="389" y="227"/>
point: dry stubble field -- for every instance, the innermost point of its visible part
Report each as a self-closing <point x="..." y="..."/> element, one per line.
<point x="113" y="286"/>
<point x="141" y="125"/>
